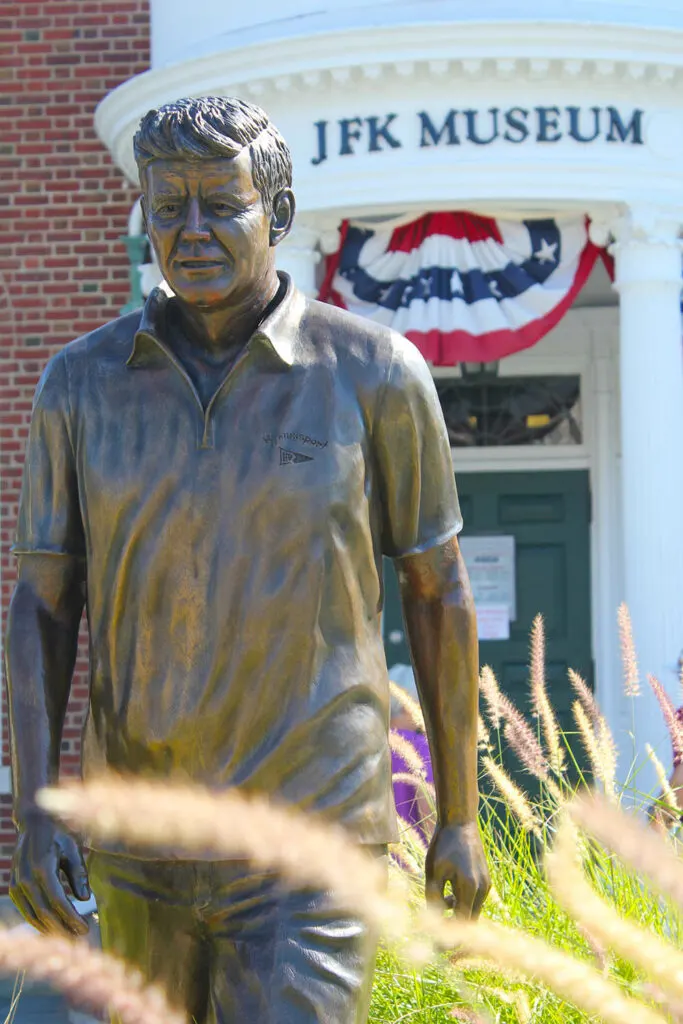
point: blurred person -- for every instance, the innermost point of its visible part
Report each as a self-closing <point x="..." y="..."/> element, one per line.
<point x="412" y="801"/>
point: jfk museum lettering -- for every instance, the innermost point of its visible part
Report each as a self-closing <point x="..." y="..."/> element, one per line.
<point x="351" y="135"/>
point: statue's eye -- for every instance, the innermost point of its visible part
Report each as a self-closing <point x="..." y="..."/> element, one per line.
<point x="221" y="207"/>
<point x="168" y="209"/>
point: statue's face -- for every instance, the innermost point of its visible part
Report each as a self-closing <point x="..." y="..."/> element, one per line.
<point x="209" y="228"/>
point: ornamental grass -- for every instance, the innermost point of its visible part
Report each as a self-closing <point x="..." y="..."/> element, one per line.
<point x="584" y="920"/>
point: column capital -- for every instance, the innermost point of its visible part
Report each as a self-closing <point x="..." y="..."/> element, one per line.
<point x="644" y="239"/>
<point x="621" y="225"/>
<point x="650" y="224"/>
<point x="601" y="223"/>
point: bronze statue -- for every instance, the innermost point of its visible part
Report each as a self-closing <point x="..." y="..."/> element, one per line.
<point x="217" y="479"/>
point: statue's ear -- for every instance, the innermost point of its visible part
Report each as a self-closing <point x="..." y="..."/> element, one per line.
<point x="143" y="208"/>
<point x="282" y="216"/>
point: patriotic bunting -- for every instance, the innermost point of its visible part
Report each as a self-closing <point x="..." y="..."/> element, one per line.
<point x="463" y="288"/>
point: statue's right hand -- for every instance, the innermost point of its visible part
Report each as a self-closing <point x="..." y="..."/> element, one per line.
<point x="35" y="887"/>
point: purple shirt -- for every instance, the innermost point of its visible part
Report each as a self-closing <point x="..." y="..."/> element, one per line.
<point x="406" y="793"/>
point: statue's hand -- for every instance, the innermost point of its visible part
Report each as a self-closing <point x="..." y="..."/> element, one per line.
<point x="35" y="886"/>
<point x="456" y="855"/>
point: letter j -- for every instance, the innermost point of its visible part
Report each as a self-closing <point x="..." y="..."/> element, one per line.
<point x="321" y="127"/>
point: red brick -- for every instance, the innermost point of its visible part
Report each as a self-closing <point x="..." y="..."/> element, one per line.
<point x="59" y="33"/>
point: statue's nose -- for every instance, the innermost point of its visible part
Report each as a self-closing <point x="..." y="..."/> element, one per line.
<point x="195" y="228"/>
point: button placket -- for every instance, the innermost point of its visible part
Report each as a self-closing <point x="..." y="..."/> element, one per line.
<point x="222" y="391"/>
<point x="205" y="424"/>
<point x="208" y="437"/>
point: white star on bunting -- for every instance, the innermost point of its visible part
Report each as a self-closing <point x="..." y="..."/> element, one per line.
<point x="546" y="253"/>
<point x="456" y="284"/>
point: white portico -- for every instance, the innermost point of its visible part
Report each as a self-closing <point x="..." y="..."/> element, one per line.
<point x="394" y="108"/>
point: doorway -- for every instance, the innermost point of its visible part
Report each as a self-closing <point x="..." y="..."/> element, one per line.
<point x="548" y="515"/>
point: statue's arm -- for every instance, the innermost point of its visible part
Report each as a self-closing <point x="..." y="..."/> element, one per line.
<point x="442" y="633"/>
<point x="421" y="519"/>
<point x="40" y="652"/>
<point x="440" y="621"/>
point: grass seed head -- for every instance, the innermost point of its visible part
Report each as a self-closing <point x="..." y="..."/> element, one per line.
<point x="409" y="705"/>
<point x="668" y="795"/>
<point x="671" y="719"/>
<point x="585" y="695"/>
<point x="540" y="703"/>
<point x="408" y="753"/>
<point x="629" y="660"/>
<point x="513" y="796"/>
<point x="601" y="765"/>
<point x="607" y="751"/>
<point x="483" y="735"/>
<point x="488" y="685"/>
<point x="525" y="745"/>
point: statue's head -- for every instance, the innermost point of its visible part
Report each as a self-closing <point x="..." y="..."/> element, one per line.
<point x="216" y="178"/>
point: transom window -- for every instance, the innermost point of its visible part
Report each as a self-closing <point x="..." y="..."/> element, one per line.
<point x="511" y="411"/>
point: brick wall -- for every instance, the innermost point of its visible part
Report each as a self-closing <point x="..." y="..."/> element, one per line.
<point x="64" y="206"/>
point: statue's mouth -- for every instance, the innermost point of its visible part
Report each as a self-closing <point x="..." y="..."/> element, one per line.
<point x="193" y="264"/>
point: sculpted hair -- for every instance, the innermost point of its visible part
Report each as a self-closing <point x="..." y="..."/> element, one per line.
<point x="216" y="126"/>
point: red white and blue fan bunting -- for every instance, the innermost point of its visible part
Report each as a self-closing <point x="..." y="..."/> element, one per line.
<point x="463" y="288"/>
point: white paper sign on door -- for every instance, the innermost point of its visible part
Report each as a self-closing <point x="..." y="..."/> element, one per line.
<point x="493" y="622"/>
<point x="490" y="565"/>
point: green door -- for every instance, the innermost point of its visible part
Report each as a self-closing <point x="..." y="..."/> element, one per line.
<point x="548" y="514"/>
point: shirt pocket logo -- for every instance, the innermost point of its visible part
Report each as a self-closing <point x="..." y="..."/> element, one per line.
<point x="289" y="458"/>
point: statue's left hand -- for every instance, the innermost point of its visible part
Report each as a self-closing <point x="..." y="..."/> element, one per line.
<point x="456" y="855"/>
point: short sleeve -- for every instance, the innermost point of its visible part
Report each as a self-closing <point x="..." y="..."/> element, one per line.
<point x="417" y="490"/>
<point x="49" y="519"/>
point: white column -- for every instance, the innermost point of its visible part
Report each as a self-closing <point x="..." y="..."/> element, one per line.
<point x="648" y="279"/>
<point x="606" y="542"/>
<point x="298" y="255"/>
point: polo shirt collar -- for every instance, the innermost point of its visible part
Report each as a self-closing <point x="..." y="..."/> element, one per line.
<point x="279" y="331"/>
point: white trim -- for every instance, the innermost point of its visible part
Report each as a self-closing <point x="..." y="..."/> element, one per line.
<point x="520" y="458"/>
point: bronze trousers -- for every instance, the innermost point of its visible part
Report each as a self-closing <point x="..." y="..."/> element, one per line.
<point x="234" y="947"/>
